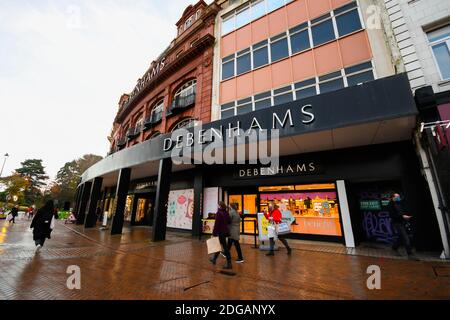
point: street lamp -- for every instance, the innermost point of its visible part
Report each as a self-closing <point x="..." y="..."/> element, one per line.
<point x="4" y="161"/>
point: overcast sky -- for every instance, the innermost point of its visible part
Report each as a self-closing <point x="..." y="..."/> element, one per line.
<point x="64" y="65"/>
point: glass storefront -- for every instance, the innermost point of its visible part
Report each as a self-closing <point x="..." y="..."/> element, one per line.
<point x="128" y="208"/>
<point x="314" y="207"/>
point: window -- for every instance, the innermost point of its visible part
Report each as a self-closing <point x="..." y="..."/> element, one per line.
<point x="228" y="67"/>
<point x="188" y="22"/>
<point x="359" y="74"/>
<point x="439" y="41"/>
<point x="198" y="14"/>
<point x="260" y="54"/>
<point x="186" y="91"/>
<point x="243" y="61"/>
<point x="157" y="111"/>
<point x="282" y="95"/>
<point x="258" y="9"/>
<point x="186" y="123"/>
<point x="322" y="30"/>
<point x="243" y="17"/>
<point x="139" y="124"/>
<point x="244" y="106"/>
<point x="299" y="38"/>
<point x="274" y="4"/>
<point x="248" y="13"/>
<point x="263" y="100"/>
<point x="228" y="110"/>
<point x="347" y="19"/>
<point x="331" y="82"/>
<point x="228" y="25"/>
<point x="279" y="47"/>
<point x="305" y="89"/>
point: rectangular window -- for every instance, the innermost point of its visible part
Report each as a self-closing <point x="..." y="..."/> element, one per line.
<point x="360" y="78"/>
<point x="228" y="110"/>
<point x="228" y="24"/>
<point x="305" y="89"/>
<point x="263" y="100"/>
<point x="323" y="31"/>
<point x="258" y="9"/>
<point x="283" y="95"/>
<point x="260" y="54"/>
<point x="243" y="17"/>
<point x="299" y="40"/>
<point x="228" y="67"/>
<point x="348" y="22"/>
<point x="243" y="62"/>
<point x="244" y="106"/>
<point x="279" y="47"/>
<point x="331" y="85"/>
<point x="440" y="45"/>
<point x="274" y="4"/>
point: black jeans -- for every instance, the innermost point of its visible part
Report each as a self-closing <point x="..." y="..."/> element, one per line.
<point x="403" y="237"/>
<point x="237" y="245"/>
<point x="282" y="239"/>
<point x="39" y="241"/>
<point x="226" y="252"/>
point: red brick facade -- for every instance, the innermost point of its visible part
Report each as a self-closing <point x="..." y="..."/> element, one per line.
<point x="189" y="56"/>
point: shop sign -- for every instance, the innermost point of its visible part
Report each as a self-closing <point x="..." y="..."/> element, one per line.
<point x="145" y="185"/>
<point x="370" y="205"/>
<point x="154" y="70"/>
<point x="301" y="168"/>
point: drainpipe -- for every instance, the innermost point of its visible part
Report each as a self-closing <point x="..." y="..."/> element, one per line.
<point x="435" y="190"/>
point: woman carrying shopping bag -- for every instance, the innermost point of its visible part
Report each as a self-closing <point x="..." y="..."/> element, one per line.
<point x="41" y="224"/>
<point x="275" y="218"/>
<point x="235" y="232"/>
<point x="222" y="230"/>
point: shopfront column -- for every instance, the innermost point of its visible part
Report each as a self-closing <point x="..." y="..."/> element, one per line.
<point x="345" y="214"/>
<point x="198" y="199"/>
<point x="162" y="197"/>
<point x="91" y="217"/>
<point x="83" y="203"/>
<point x="77" y="200"/>
<point x="121" y="198"/>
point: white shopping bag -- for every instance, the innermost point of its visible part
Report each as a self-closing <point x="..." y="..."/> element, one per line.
<point x="271" y="231"/>
<point x="213" y="245"/>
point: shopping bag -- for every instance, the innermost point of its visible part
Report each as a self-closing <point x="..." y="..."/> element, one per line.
<point x="213" y="245"/>
<point x="52" y="223"/>
<point x="271" y="231"/>
<point x="283" y="228"/>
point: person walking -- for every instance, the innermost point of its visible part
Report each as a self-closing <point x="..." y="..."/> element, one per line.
<point x="14" y="214"/>
<point x="274" y="216"/>
<point x="399" y="219"/>
<point x="235" y="233"/>
<point x="222" y="230"/>
<point x="41" y="224"/>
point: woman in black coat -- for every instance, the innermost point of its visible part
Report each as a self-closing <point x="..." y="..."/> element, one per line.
<point x="41" y="224"/>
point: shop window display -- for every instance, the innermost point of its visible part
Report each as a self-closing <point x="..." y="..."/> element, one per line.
<point x="314" y="207"/>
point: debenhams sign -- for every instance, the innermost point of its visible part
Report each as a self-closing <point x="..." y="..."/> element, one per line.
<point x="288" y="118"/>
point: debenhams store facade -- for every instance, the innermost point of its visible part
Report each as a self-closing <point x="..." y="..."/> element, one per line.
<point x="341" y="154"/>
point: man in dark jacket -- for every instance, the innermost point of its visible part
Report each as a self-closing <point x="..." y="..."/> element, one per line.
<point x="14" y="214"/>
<point x="399" y="218"/>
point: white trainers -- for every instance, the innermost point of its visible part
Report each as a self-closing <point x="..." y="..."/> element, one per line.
<point x="38" y="248"/>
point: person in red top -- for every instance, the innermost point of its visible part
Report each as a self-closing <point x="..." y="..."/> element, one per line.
<point x="274" y="216"/>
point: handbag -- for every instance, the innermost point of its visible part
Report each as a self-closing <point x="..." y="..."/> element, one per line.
<point x="52" y="223"/>
<point x="283" y="228"/>
<point x="213" y="245"/>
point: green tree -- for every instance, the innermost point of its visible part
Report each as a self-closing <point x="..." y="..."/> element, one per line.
<point x="15" y="185"/>
<point x="68" y="177"/>
<point x="33" y="172"/>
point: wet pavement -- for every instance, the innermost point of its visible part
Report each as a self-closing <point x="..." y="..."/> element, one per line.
<point x="130" y="266"/>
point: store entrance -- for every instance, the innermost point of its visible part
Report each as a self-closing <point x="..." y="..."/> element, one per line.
<point x="370" y="217"/>
<point x="143" y="208"/>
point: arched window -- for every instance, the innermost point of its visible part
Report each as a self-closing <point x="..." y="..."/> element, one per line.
<point x="185" y="123"/>
<point x="139" y="124"/>
<point x="187" y="89"/>
<point x="185" y="96"/>
<point x="157" y="111"/>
